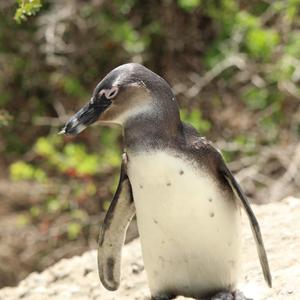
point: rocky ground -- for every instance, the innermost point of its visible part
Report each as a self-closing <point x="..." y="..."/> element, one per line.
<point x="77" y="278"/>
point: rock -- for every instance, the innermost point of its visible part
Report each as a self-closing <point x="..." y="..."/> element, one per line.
<point x="77" y="278"/>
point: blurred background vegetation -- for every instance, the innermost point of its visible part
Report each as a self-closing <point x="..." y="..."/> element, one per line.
<point x="233" y="65"/>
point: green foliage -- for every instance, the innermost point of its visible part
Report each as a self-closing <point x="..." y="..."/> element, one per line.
<point x="195" y="118"/>
<point x="189" y="5"/>
<point x="26" y="9"/>
<point x="72" y="87"/>
<point x="53" y="205"/>
<point x="46" y="146"/>
<point x="74" y="160"/>
<point x="293" y="46"/>
<point x="245" y="21"/>
<point x="80" y="215"/>
<point x="75" y="156"/>
<point x="23" y="220"/>
<point x="21" y="170"/>
<point x="256" y="98"/>
<point x="268" y="52"/>
<point x="248" y="143"/>
<point x="35" y="211"/>
<point x="130" y="38"/>
<point x="261" y="42"/>
<point x="73" y="230"/>
<point x="223" y="13"/>
<point x="264" y="34"/>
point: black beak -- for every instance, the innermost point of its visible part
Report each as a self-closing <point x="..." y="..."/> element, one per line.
<point x="86" y="116"/>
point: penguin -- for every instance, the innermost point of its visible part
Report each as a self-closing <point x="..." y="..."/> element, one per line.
<point x="186" y="201"/>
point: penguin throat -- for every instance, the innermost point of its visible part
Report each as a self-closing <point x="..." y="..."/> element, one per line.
<point x="152" y="131"/>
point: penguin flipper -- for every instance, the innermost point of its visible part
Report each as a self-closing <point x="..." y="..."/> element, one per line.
<point x="113" y="232"/>
<point x="253" y="222"/>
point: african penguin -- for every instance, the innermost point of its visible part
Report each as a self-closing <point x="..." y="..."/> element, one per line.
<point x="187" y="202"/>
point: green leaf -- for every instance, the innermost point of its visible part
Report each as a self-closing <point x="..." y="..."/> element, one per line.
<point x="245" y="20"/>
<point x="261" y="42"/>
<point x="53" y="205"/>
<point x="73" y="230"/>
<point x="80" y="215"/>
<point x="188" y="5"/>
<point x="44" y="147"/>
<point x="26" y="9"/>
<point x="23" y="220"/>
<point x="195" y="118"/>
<point x="293" y="46"/>
<point x="35" y="211"/>
<point x="21" y="170"/>
<point x="256" y="98"/>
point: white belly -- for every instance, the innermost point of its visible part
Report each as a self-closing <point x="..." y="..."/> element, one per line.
<point x="189" y="228"/>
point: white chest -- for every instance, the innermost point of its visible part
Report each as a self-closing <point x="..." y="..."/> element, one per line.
<point x="189" y="228"/>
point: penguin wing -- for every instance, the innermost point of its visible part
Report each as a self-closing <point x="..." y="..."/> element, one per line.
<point x="225" y="172"/>
<point x="113" y="232"/>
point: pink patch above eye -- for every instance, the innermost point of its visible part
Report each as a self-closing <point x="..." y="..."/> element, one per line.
<point x="109" y="93"/>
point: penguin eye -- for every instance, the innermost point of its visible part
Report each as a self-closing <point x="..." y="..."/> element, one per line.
<point x="109" y="93"/>
<point x="112" y="92"/>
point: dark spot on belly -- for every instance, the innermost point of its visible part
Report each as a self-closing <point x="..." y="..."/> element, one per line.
<point x="137" y="268"/>
<point x="87" y="271"/>
<point x="168" y="183"/>
<point x="141" y="186"/>
<point x="210" y="199"/>
<point x="232" y="263"/>
<point x="181" y="172"/>
<point x="212" y="214"/>
<point x="155" y="221"/>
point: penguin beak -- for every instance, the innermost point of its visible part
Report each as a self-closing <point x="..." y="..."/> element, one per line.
<point x="86" y="116"/>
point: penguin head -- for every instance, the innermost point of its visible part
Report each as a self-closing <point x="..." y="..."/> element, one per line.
<point x="128" y="91"/>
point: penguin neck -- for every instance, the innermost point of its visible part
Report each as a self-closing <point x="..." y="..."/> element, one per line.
<point x="152" y="131"/>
